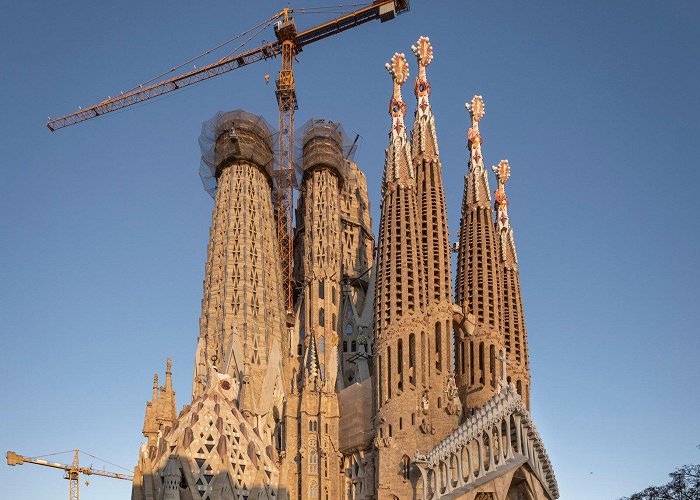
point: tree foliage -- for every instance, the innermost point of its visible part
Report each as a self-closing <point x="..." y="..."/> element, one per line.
<point x="684" y="485"/>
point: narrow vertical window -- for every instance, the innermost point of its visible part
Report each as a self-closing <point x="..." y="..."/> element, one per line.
<point x="438" y="346"/>
<point x="321" y="290"/>
<point x="399" y="364"/>
<point x="481" y="363"/>
<point x="321" y="317"/>
<point x="412" y="359"/>
<point x="492" y="363"/>
<point x="388" y="372"/>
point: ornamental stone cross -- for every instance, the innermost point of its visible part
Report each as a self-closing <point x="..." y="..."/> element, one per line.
<point x="504" y="363"/>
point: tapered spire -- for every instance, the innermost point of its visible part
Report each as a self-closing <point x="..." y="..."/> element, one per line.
<point x="398" y="170"/>
<point x="515" y="333"/>
<point x="400" y="289"/>
<point x="478" y="285"/>
<point x="431" y="192"/>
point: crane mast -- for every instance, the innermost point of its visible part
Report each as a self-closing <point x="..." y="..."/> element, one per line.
<point x="284" y="195"/>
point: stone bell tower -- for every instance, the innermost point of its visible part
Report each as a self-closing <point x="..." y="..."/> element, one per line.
<point x="478" y="289"/>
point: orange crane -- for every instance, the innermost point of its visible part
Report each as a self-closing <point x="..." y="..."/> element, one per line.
<point x="289" y="43"/>
<point x="72" y="471"/>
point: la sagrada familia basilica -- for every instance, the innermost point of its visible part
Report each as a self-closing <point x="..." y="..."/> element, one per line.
<point x="383" y="381"/>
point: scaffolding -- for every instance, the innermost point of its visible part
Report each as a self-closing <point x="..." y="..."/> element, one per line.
<point x="234" y="136"/>
<point x="355" y="404"/>
<point x="323" y="143"/>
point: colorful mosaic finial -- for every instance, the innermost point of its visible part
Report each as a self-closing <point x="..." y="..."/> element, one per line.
<point x="424" y="53"/>
<point x="398" y="168"/>
<point x="476" y="111"/>
<point x="398" y="69"/>
<point x="502" y="171"/>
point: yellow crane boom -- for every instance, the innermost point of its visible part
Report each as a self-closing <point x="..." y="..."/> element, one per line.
<point x="72" y="472"/>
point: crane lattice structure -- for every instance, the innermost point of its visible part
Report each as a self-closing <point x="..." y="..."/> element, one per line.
<point x="72" y="471"/>
<point x="289" y="43"/>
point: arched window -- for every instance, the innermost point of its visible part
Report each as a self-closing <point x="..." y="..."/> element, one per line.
<point x="348" y="329"/>
<point x="333" y="295"/>
<point x="313" y="463"/>
<point x="322" y="345"/>
<point x="492" y="363"/>
<point x="519" y="387"/>
<point x="345" y="346"/>
<point x="322" y="369"/>
<point x="333" y="322"/>
<point x="321" y="317"/>
<point x="321" y="290"/>
<point x="353" y="346"/>
<point x="313" y="489"/>
<point x="406" y="468"/>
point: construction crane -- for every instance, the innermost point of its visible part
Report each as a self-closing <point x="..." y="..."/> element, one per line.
<point x="289" y="43"/>
<point x="72" y="471"/>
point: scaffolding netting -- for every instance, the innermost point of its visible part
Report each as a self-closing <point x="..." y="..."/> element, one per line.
<point x="355" y="404"/>
<point x="323" y="143"/>
<point x="234" y="135"/>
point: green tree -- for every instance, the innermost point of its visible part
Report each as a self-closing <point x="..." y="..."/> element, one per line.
<point x="684" y="485"/>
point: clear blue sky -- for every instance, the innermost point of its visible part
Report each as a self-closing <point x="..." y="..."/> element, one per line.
<point x="104" y="225"/>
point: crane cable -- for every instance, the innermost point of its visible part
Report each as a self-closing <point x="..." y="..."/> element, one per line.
<point x="106" y="461"/>
<point x="264" y="24"/>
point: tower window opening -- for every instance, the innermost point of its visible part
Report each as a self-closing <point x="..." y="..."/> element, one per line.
<point x="438" y="346"/>
<point x="353" y="346"/>
<point x="481" y="363"/>
<point x="405" y="468"/>
<point x="388" y="371"/>
<point x="492" y="363"/>
<point x="412" y="359"/>
<point x="313" y="464"/>
<point x="345" y="346"/>
<point x="321" y="290"/>
<point x="321" y="317"/>
<point x="399" y="364"/>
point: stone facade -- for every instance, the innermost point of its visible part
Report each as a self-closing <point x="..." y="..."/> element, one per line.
<point x="379" y="383"/>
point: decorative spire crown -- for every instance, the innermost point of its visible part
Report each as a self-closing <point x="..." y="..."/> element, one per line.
<point x="476" y="111"/>
<point x="424" y="53"/>
<point x="502" y="171"/>
<point x="398" y="69"/>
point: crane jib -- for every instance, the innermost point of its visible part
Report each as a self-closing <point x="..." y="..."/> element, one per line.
<point x="382" y="10"/>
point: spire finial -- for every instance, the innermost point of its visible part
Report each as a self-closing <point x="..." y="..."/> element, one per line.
<point x="398" y="69"/>
<point x="169" y="366"/>
<point x="476" y="111"/>
<point x="424" y="53"/>
<point x="502" y="171"/>
<point x="155" y="380"/>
